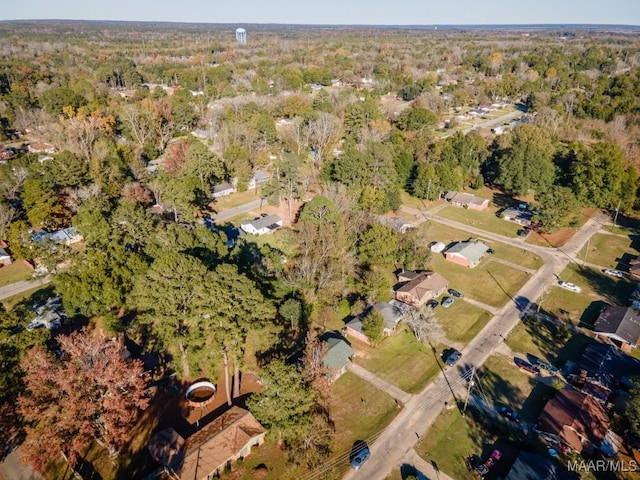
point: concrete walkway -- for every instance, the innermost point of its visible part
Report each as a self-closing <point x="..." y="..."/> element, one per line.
<point x="423" y="467"/>
<point x="379" y="383"/>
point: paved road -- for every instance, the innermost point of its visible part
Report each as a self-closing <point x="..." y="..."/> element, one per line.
<point x="232" y="212"/>
<point x="19" y="287"/>
<point x="391" y="446"/>
<point x="12" y="469"/>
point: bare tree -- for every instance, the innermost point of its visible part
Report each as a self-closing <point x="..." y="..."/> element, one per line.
<point x="7" y="214"/>
<point x="324" y="131"/>
<point x="14" y="182"/>
<point x="424" y="325"/>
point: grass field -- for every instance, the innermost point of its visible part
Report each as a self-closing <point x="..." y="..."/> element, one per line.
<point x="400" y="360"/>
<point x="485" y="220"/>
<point x="491" y="283"/>
<point x="611" y="251"/>
<point x="598" y="290"/>
<point x="438" y="232"/>
<point x="235" y="199"/>
<point x="462" y="321"/>
<point x="14" y="272"/>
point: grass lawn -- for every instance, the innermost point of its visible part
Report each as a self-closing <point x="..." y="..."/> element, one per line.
<point x="414" y="202"/>
<point x="506" y="384"/>
<point x="282" y="239"/>
<point x="14" y="272"/>
<point x="434" y="231"/>
<point x="598" y="290"/>
<point x="235" y="199"/>
<point x="10" y="302"/>
<point x="491" y="283"/>
<point x="611" y="251"/>
<point x="400" y="360"/>
<point x="485" y="220"/>
<point x="462" y="321"/>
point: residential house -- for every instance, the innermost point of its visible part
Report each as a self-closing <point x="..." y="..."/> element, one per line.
<point x="466" y="200"/>
<point x="417" y="288"/>
<point x="262" y="225"/>
<point x="338" y="355"/>
<point x="68" y="236"/>
<point x="574" y="419"/>
<point x="259" y="177"/>
<point x="222" y="190"/>
<point x="518" y="216"/>
<point x="5" y="258"/>
<point x="391" y="312"/>
<point x="207" y="452"/>
<point x="395" y="223"/>
<point x="41" y="147"/>
<point x="619" y="324"/>
<point x="467" y="253"/>
<point x="529" y="466"/>
<point x="603" y="369"/>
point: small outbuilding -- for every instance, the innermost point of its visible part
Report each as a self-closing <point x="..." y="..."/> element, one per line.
<point x="438" y="247"/>
<point x="222" y="190"/>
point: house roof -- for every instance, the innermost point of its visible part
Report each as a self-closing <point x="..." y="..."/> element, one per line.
<point x="217" y="442"/>
<point x="607" y="365"/>
<point x="263" y="222"/>
<point x="391" y="312"/>
<point x="419" y="284"/>
<point x="529" y="466"/>
<point x="259" y="176"/>
<point x="473" y="251"/>
<point x="3" y="253"/>
<point x="355" y="324"/>
<point x="572" y="415"/>
<point x="621" y="322"/>
<point x="223" y="187"/>
<point x="464" y="198"/>
<point x="511" y="212"/>
<point x="338" y="354"/>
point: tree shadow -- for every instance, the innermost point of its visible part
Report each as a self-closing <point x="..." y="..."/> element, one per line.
<point x="407" y="470"/>
<point x="615" y="291"/>
<point x="503" y="200"/>
<point x="535" y="402"/>
<point x="591" y="314"/>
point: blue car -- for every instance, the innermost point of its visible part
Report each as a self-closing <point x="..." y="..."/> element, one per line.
<point x="361" y="456"/>
<point x="453" y="357"/>
<point x="447" y="301"/>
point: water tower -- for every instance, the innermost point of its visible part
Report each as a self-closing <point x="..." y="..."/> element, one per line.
<point x="241" y="36"/>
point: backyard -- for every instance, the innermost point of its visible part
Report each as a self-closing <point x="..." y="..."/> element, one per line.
<point x="401" y="360"/>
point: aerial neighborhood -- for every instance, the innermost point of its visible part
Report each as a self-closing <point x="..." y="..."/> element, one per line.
<point x="304" y="252"/>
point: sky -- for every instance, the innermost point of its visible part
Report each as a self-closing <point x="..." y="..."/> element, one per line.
<point x="371" y="12"/>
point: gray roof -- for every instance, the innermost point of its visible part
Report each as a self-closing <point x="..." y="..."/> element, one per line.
<point x="3" y="253"/>
<point x="464" y="198"/>
<point x="355" y="324"/>
<point x="607" y="365"/>
<point x="338" y="354"/>
<point x="470" y="250"/>
<point x="223" y="187"/>
<point x="623" y="322"/>
<point x="529" y="466"/>
<point x="259" y="176"/>
<point x="392" y="313"/>
<point x="263" y="222"/>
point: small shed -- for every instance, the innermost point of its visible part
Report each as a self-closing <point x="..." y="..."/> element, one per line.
<point x="438" y="247"/>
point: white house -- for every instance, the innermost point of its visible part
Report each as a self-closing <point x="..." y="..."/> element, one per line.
<point x="222" y="190"/>
<point x="259" y="177"/>
<point x="262" y="225"/>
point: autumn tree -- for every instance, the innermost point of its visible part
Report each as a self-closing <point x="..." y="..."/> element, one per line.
<point x="378" y="245"/>
<point x="424" y="325"/>
<point x="92" y="393"/>
<point x="373" y="326"/>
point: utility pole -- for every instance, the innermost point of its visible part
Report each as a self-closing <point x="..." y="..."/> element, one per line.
<point x="586" y="252"/>
<point x="471" y="384"/>
<point x="615" y="218"/>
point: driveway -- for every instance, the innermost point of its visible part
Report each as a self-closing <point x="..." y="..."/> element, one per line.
<point x="19" y="287"/>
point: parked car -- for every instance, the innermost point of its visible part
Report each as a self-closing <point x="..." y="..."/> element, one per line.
<point x="526" y="366"/>
<point x="432" y="304"/>
<point x="491" y="462"/>
<point x="490" y="251"/>
<point x="613" y="273"/>
<point x="362" y="455"/>
<point x="538" y="362"/>
<point x="569" y="286"/>
<point x="523" y="233"/>
<point x="510" y="414"/>
<point x="455" y="293"/>
<point x="446" y="302"/>
<point x="452" y="357"/>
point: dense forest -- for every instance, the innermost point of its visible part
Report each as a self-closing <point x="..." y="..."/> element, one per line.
<point x="121" y="131"/>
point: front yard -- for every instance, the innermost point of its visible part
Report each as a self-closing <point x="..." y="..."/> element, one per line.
<point x="611" y="251"/>
<point x="462" y="321"/>
<point x="484" y="220"/>
<point x="401" y="360"/>
<point x="14" y="272"/>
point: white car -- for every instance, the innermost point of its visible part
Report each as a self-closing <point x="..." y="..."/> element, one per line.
<point x="613" y="273"/>
<point x="570" y="286"/>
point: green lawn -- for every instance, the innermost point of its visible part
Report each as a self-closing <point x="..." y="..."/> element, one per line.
<point x="611" y="251"/>
<point x="401" y="360"/>
<point x="598" y="290"/>
<point x="462" y="321"/>
<point x="438" y="232"/>
<point x="236" y="199"/>
<point x="491" y="283"/>
<point x="485" y="220"/>
<point x="415" y="202"/>
<point x="10" y="302"/>
<point x="15" y="272"/>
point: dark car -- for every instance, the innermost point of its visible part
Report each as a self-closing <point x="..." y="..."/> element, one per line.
<point x="446" y="302"/>
<point x="455" y="293"/>
<point x="360" y="457"/>
<point x="452" y="356"/>
<point x="526" y="366"/>
<point x="523" y="233"/>
<point x="490" y="251"/>
<point x="432" y="304"/>
<point x="510" y="414"/>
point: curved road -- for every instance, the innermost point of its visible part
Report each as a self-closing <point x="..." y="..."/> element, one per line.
<point x="396" y="441"/>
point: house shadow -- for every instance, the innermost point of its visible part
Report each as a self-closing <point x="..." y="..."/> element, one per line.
<point x="591" y="313"/>
<point x="86" y="470"/>
<point x="502" y="200"/>
<point x="408" y="470"/>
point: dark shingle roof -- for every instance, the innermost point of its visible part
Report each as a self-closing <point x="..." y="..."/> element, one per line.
<point x="624" y="322"/>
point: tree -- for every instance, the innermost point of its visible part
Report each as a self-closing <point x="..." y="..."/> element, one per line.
<point x="378" y="245"/>
<point x="319" y="210"/>
<point x="291" y="311"/>
<point x="283" y="386"/>
<point x="426" y="184"/>
<point x="558" y="208"/>
<point x="416" y="118"/>
<point x="286" y="183"/>
<point x="205" y="165"/>
<point x="373" y="325"/>
<point x="91" y="393"/>
<point x="7" y="214"/>
<point x="324" y="132"/>
<point x="632" y="410"/>
<point x="424" y="325"/>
